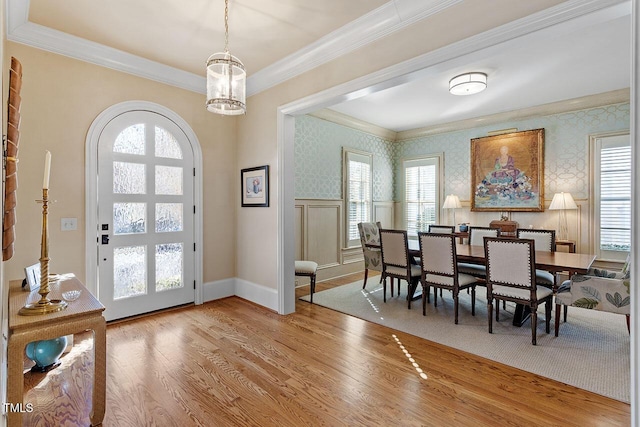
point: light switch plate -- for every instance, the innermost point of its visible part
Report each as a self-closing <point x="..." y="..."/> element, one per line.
<point x="68" y="224"/>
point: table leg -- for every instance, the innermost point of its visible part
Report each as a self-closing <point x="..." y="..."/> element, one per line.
<point x="99" y="374"/>
<point x="521" y="314"/>
<point x="15" y="381"/>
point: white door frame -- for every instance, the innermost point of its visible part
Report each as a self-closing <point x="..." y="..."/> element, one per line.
<point x="91" y="187"/>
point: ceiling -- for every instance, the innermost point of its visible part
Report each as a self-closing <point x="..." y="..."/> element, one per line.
<point x="584" y="56"/>
<point x="589" y="56"/>
<point x="185" y="33"/>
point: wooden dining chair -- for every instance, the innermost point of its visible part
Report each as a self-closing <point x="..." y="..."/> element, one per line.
<point x="442" y="229"/>
<point x="396" y="262"/>
<point x="545" y="241"/>
<point x="476" y="238"/>
<point x="439" y="269"/>
<point x="511" y="277"/>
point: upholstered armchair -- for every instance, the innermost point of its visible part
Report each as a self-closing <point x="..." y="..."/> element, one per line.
<point x="370" y="240"/>
<point x="597" y="290"/>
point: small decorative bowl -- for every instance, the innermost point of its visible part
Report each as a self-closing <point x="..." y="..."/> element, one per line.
<point x="71" y="295"/>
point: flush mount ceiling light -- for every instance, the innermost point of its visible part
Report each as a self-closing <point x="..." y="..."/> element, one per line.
<point x="226" y="78"/>
<point x="468" y="83"/>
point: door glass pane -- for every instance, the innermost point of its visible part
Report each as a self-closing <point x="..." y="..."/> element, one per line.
<point x="167" y="145"/>
<point x="130" y="140"/>
<point x="129" y="271"/>
<point x="168" y="180"/>
<point x="169" y="266"/>
<point x="168" y="217"/>
<point x="129" y="178"/>
<point x="129" y="218"/>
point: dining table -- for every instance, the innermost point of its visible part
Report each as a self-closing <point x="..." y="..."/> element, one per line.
<point x="554" y="262"/>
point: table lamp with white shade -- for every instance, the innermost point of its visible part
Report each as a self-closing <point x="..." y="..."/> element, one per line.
<point x="562" y="202"/>
<point x="452" y="202"/>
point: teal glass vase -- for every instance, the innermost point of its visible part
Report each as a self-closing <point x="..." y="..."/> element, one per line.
<point x="46" y="353"/>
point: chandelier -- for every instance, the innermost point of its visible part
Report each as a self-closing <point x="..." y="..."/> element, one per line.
<point x="226" y="78"/>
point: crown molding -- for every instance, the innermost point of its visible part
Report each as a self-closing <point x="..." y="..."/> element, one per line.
<point x="375" y="25"/>
<point x="20" y="30"/>
<point x="379" y="23"/>
<point x="421" y="65"/>
<point x="582" y="103"/>
<point x="353" y="123"/>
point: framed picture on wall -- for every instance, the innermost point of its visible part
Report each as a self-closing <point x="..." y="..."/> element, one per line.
<point x="255" y="186"/>
<point x="507" y="172"/>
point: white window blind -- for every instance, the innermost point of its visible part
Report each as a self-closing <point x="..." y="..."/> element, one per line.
<point x="613" y="197"/>
<point x="421" y="193"/>
<point x="359" y="189"/>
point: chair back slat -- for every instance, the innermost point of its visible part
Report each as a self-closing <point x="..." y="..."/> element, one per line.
<point x="442" y="229"/>
<point x="510" y="262"/>
<point x="545" y="239"/>
<point x="477" y="234"/>
<point x="395" y="247"/>
<point x="437" y="252"/>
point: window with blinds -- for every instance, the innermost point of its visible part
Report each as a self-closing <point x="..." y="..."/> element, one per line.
<point x="358" y="192"/>
<point x="613" y="196"/>
<point x="422" y="189"/>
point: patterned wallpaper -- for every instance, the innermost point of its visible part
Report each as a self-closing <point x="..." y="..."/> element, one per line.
<point x="566" y="157"/>
<point x="318" y="153"/>
<point x="318" y="159"/>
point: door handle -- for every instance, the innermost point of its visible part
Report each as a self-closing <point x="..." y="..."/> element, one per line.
<point x="105" y="239"/>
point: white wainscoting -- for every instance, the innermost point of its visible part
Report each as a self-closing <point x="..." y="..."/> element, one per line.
<point x="320" y="236"/>
<point x="385" y="213"/>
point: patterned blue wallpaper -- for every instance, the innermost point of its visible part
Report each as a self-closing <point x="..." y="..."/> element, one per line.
<point x="318" y="159"/>
<point x="318" y="153"/>
<point x="566" y="157"/>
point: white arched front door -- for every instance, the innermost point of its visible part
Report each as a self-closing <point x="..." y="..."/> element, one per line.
<point x="145" y="214"/>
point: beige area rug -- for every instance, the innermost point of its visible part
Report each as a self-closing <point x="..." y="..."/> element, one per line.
<point x="591" y="351"/>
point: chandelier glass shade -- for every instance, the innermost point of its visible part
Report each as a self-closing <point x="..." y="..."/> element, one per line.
<point x="226" y="84"/>
<point x="468" y="83"/>
<point x="226" y="79"/>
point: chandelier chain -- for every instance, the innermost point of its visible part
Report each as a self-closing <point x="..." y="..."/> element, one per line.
<point x="226" y="26"/>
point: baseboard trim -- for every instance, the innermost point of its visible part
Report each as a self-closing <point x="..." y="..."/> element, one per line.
<point x="258" y="294"/>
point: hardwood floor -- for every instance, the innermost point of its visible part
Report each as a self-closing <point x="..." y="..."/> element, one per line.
<point x="232" y="363"/>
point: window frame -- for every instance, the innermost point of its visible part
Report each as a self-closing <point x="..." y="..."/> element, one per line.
<point x="438" y="160"/>
<point x="595" y="143"/>
<point x="365" y="157"/>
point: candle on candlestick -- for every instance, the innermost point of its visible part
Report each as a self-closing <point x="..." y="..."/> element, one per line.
<point x="47" y="169"/>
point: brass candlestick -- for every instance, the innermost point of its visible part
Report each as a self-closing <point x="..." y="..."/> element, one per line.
<point x="44" y="305"/>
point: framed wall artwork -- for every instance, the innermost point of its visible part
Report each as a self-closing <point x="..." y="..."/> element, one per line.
<point x="507" y="172"/>
<point x="255" y="186"/>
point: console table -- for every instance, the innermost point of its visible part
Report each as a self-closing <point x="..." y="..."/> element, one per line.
<point x="81" y="315"/>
